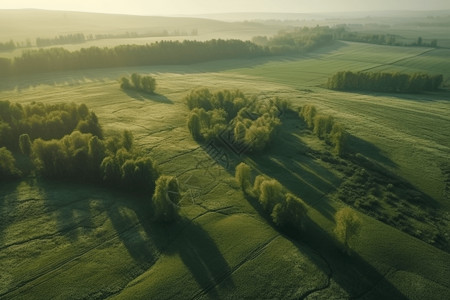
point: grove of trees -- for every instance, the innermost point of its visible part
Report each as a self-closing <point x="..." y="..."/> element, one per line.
<point x="233" y="118"/>
<point x="139" y="83"/>
<point x="65" y="142"/>
<point x="384" y="82"/>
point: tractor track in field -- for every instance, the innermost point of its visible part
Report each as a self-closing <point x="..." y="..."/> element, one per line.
<point x="61" y="264"/>
<point x="398" y="60"/>
<point x="223" y="277"/>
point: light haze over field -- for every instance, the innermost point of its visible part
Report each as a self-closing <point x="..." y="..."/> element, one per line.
<point x="143" y="7"/>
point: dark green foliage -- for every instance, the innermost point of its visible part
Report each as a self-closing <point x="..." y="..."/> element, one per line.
<point x="165" y="199"/>
<point x="289" y="213"/>
<point x="50" y="121"/>
<point x="385" y="82"/>
<point x="139" y="83"/>
<point x="8" y="169"/>
<point x="250" y="123"/>
<point x="72" y="38"/>
<point x="323" y="125"/>
<point x="25" y="144"/>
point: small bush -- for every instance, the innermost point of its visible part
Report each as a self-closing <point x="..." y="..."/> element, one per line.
<point x="165" y="199"/>
<point x="243" y="176"/>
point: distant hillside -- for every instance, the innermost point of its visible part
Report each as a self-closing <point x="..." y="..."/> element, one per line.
<point x="29" y="23"/>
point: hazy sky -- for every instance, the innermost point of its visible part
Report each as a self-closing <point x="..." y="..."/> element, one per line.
<point x="166" y="7"/>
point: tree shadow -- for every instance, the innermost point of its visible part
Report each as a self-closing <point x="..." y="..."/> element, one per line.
<point x="358" y="145"/>
<point x="8" y="205"/>
<point x="351" y="272"/>
<point x="142" y="96"/>
<point x="196" y="249"/>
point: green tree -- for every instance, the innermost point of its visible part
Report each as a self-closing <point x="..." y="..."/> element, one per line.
<point x="271" y="193"/>
<point x="165" y="199"/>
<point x="348" y="225"/>
<point x="8" y="168"/>
<point x="125" y="83"/>
<point x="290" y="213"/>
<point x="194" y="126"/>
<point x="243" y="176"/>
<point x="25" y="144"/>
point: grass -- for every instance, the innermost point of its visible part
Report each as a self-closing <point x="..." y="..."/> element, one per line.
<point x="72" y="241"/>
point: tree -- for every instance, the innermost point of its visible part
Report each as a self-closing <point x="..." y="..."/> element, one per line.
<point x="290" y="213"/>
<point x="165" y="199"/>
<point x="419" y="41"/>
<point x="25" y="144"/>
<point x="125" y="83"/>
<point x="271" y="193"/>
<point x="348" y="225"/>
<point x="8" y="168"/>
<point x="148" y="84"/>
<point x="194" y="126"/>
<point x="243" y="176"/>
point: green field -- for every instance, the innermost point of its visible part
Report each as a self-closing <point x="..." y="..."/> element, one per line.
<point x="73" y="241"/>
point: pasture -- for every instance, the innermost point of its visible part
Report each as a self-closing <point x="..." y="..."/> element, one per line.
<point x="65" y="240"/>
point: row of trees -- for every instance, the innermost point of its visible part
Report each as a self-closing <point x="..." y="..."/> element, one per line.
<point x="160" y="53"/>
<point x="289" y="212"/>
<point x="325" y="127"/>
<point x="285" y="209"/>
<point x="385" y="82"/>
<point x="233" y="118"/>
<point x="72" y="38"/>
<point x="139" y="83"/>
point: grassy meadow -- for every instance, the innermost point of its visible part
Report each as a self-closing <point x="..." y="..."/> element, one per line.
<point x="77" y="241"/>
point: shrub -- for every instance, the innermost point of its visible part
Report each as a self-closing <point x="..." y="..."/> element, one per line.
<point x="308" y="113"/>
<point x="323" y="125"/>
<point x="25" y="144"/>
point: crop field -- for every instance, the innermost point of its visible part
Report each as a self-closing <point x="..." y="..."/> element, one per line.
<point x="65" y="240"/>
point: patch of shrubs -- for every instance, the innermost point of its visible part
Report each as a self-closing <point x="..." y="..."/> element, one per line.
<point x="325" y="127"/>
<point x="146" y="84"/>
<point x="384" y="82"/>
<point x="248" y="122"/>
<point x="285" y="209"/>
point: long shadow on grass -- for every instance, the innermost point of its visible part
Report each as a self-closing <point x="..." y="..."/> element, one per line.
<point x="358" y="145"/>
<point x="351" y="272"/>
<point x="196" y="249"/>
<point x="141" y="96"/>
<point x="8" y="205"/>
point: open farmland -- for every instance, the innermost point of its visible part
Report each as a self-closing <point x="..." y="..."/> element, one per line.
<point x="60" y="239"/>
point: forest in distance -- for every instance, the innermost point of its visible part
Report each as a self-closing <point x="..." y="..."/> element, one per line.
<point x="243" y="156"/>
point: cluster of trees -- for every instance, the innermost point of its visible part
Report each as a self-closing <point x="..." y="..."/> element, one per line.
<point x="247" y="123"/>
<point x="325" y="127"/>
<point x="7" y="46"/>
<point x="385" y="82"/>
<point x="138" y="82"/>
<point x="46" y="121"/>
<point x="72" y="38"/>
<point x="297" y="40"/>
<point x="285" y="209"/>
<point x="81" y="155"/>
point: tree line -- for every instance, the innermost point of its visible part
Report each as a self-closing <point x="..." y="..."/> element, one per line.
<point x="65" y="142"/>
<point x="384" y="82"/>
<point x="162" y="52"/>
<point x="232" y="118"/>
